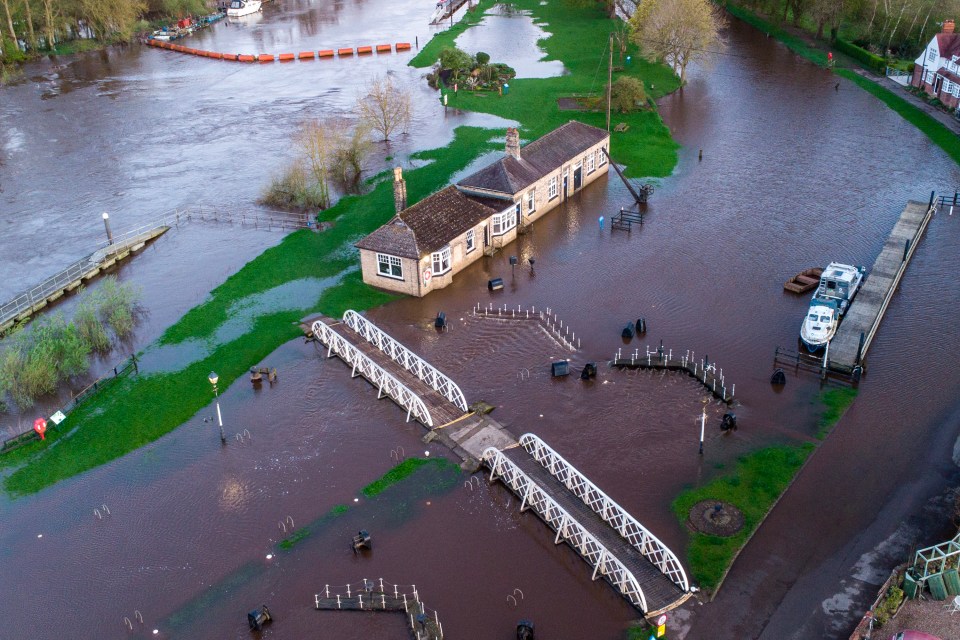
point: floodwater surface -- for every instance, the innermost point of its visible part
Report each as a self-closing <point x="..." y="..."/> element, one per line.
<point x="794" y="174"/>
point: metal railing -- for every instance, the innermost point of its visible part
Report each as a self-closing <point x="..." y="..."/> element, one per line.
<point x="568" y="529"/>
<point x="379" y="377"/>
<point x="612" y="513"/>
<point x="546" y="317"/>
<point x="406" y="358"/>
<point x="39" y="293"/>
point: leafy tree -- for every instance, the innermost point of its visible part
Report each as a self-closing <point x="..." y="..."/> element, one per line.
<point x="678" y="31"/>
<point x="626" y="93"/>
<point x="458" y="61"/>
<point x="482" y="58"/>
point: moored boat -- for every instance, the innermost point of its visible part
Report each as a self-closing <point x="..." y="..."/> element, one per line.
<point x="240" y="8"/>
<point x="838" y="285"/>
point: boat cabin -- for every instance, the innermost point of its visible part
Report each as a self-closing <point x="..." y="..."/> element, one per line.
<point x="838" y="281"/>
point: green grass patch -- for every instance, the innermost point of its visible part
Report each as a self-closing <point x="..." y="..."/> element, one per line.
<point x="304" y="532"/>
<point x="578" y="37"/>
<point x="759" y="479"/>
<point x="835" y="403"/>
<point x="402" y="471"/>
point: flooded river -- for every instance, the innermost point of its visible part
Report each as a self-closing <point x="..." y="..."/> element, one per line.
<point x="795" y="173"/>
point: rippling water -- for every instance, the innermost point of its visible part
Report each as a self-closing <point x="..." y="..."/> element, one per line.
<point x="791" y="178"/>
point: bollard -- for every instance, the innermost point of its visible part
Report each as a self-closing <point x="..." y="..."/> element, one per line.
<point x="906" y="249"/>
<point x="106" y="224"/>
<point x="600" y="220"/>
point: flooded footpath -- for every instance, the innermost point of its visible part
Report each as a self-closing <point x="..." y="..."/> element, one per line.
<point x="794" y="174"/>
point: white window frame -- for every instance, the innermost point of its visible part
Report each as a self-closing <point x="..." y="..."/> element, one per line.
<point x="601" y="156"/>
<point x="591" y="159"/>
<point x="947" y="86"/>
<point x="471" y="240"/>
<point x="931" y="55"/>
<point x="501" y="223"/>
<point x="531" y="200"/>
<point x="440" y="261"/>
<point x="387" y="264"/>
<point x="552" y="189"/>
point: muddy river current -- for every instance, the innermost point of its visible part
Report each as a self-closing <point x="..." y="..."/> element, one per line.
<point x="795" y="173"/>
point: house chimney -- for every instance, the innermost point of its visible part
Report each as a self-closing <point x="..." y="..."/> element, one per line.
<point x="513" y="143"/>
<point x="399" y="190"/>
<point x="948" y="26"/>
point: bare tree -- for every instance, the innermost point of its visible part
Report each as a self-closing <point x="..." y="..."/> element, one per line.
<point x="317" y="141"/>
<point x="385" y="108"/>
<point x="678" y="31"/>
<point x="353" y="146"/>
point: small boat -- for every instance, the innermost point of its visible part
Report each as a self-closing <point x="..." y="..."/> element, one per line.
<point x="820" y="325"/>
<point x="838" y="285"/>
<point x="240" y="8"/>
<point x="806" y="280"/>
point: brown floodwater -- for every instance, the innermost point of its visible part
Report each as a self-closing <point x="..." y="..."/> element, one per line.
<point x="794" y="174"/>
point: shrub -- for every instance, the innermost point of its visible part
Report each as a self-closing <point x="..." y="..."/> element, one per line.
<point x="871" y="60"/>
<point x="888" y="606"/>
<point x="627" y="92"/>
<point x="482" y="58"/>
<point x="116" y="304"/>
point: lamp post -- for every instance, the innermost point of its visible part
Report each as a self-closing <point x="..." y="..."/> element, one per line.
<point x="703" y="424"/>
<point x="214" y="378"/>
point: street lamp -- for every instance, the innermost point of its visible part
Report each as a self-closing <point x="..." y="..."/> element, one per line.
<point x="214" y="378"/>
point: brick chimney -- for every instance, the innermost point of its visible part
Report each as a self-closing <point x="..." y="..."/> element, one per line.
<point x="948" y="26"/>
<point x="513" y="143"/>
<point x="399" y="190"/>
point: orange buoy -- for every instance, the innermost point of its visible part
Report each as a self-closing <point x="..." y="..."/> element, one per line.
<point x="265" y="57"/>
<point x="307" y="55"/>
<point x="364" y="50"/>
<point x="403" y="46"/>
<point x="244" y="57"/>
<point x="381" y="48"/>
<point x="216" y="55"/>
<point x="284" y="57"/>
<point x="325" y="53"/>
<point x="345" y="52"/>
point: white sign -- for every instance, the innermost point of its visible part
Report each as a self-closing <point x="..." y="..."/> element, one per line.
<point x="58" y="417"/>
<point x="662" y="620"/>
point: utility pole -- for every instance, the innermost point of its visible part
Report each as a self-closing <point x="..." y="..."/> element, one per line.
<point x="609" y="81"/>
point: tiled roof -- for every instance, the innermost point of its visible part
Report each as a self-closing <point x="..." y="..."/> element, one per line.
<point x="428" y="225"/>
<point x="949" y="44"/>
<point x="510" y="176"/>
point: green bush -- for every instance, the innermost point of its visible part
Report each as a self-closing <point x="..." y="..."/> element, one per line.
<point x="871" y="60"/>
<point x="482" y="57"/>
<point x="626" y="94"/>
<point x="888" y="606"/>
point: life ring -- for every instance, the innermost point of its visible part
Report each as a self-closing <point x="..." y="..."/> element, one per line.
<point x="427" y="274"/>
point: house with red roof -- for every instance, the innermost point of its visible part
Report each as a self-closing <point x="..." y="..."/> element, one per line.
<point x="937" y="70"/>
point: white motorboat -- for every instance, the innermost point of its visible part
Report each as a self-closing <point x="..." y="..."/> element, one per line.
<point x="820" y="325"/>
<point x="240" y="8"/>
<point x="839" y="284"/>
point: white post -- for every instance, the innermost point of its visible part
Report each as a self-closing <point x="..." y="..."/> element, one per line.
<point x="703" y="426"/>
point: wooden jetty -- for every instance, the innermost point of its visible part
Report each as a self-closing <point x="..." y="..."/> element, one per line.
<point x="26" y="304"/>
<point x="370" y="595"/>
<point x="848" y="349"/>
<point x="703" y="370"/>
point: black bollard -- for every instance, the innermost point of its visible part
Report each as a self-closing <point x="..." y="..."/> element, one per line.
<point x="778" y="378"/>
<point x="628" y="331"/>
<point x="641" y="326"/>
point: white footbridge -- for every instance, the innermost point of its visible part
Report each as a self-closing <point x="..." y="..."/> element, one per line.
<point x="620" y="549"/>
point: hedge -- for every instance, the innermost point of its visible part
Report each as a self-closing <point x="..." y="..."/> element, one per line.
<point x="871" y="60"/>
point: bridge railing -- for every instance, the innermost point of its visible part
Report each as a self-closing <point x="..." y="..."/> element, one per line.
<point x="568" y="529"/>
<point x="379" y="377"/>
<point x="611" y="512"/>
<point x="406" y="358"/>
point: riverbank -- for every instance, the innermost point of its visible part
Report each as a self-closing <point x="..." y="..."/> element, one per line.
<point x="816" y="51"/>
<point x="218" y="336"/>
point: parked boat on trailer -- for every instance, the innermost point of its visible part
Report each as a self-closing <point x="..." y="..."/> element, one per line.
<point x="838" y="285"/>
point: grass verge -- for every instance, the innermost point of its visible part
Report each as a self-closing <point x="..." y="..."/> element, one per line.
<point x="401" y="472"/>
<point x="445" y="39"/>
<point x="835" y="403"/>
<point x="754" y="487"/>
<point x="938" y="133"/>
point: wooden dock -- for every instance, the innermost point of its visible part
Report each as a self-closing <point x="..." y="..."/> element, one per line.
<point x="25" y="305"/>
<point x="372" y="595"/>
<point x="446" y="9"/>
<point x="849" y="347"/>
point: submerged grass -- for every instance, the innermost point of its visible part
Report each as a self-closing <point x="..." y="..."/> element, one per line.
<point x="835" y="403"/>
<point x="402" y="471"/>
<point x="756" y="484"/>
<point x="938" y="133"/>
